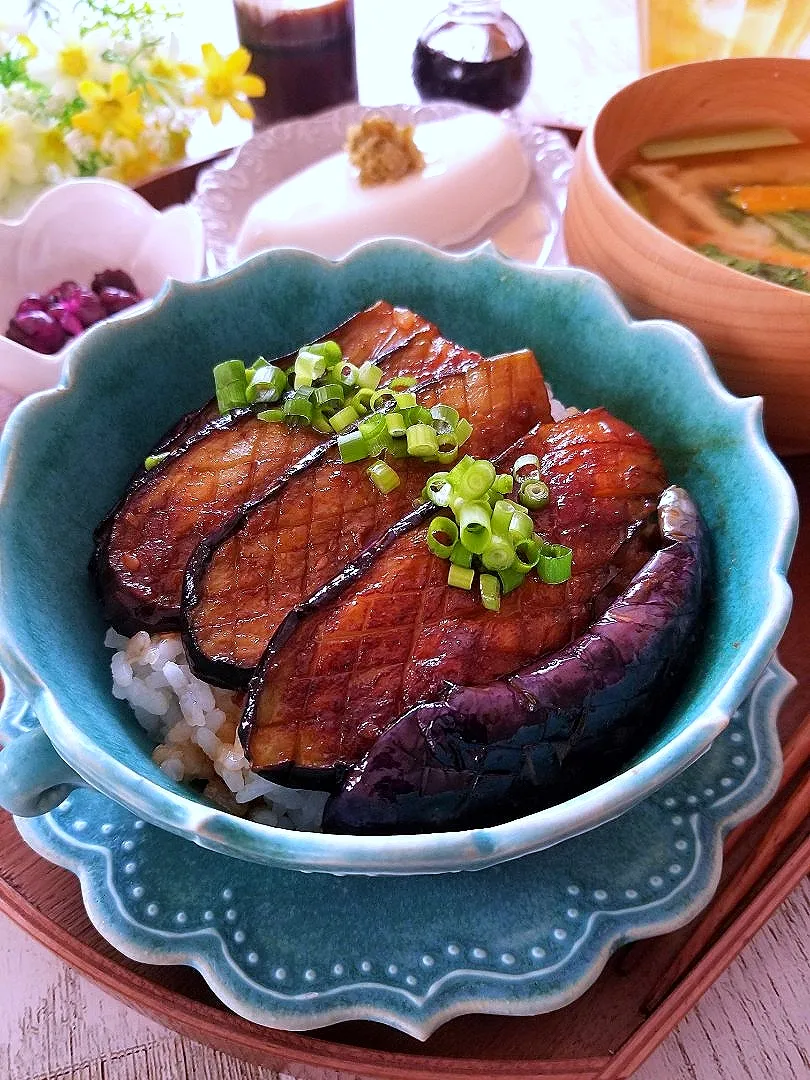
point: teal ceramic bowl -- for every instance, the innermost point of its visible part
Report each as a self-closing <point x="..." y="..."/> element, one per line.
<point x="66" y="454"/>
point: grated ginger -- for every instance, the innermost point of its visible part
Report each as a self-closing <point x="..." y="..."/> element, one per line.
<point x="383" y="151"/>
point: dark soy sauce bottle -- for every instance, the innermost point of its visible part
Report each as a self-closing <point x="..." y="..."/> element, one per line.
<point x="473" y="52"/>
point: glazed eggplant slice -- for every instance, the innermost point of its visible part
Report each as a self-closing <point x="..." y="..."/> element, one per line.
<point x="481" y="755"/>
<point x="388" y="632"/>
<point x="369" y="335"/>
<point x="240" y="584"/>
<point x="143" y="545"/>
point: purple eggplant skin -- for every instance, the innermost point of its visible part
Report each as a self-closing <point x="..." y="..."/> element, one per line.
<point x="483" y="755"/>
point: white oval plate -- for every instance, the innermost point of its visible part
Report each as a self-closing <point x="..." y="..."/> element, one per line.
<point x="528" y="231"/>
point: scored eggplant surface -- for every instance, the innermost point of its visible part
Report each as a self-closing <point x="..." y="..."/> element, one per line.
<point x="216" y="466"/>
<point x="390" y="634"/>
<point x="480" y="755"/>
<point x="241" y="583"/>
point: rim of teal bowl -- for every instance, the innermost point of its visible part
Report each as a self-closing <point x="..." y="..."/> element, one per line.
<point x="420" y="853"/>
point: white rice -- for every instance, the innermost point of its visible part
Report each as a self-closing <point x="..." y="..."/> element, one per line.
<point x="186" y="717"/>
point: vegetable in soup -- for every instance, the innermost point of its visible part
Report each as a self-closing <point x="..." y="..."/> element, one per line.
<point x="740" y="198"/>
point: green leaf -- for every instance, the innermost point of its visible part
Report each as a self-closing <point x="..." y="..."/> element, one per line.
<point x="789" y="276"/>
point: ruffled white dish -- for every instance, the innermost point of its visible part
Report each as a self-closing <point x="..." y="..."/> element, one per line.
<point x="73" y="231"/>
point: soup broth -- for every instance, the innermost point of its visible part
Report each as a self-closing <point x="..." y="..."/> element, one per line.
<point x="748" y="209"/>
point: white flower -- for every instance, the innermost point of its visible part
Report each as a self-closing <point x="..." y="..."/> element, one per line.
<point x="66" y="58"/>
<point x="17" y="158"/>
<point x="22" y="97"/>
<point x="52" y="174"/>
<point x="79" y="144"/>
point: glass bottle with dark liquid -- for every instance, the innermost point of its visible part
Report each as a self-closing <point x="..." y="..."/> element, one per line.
<point x="304" y="51"/>
<point x="473" y="52"/>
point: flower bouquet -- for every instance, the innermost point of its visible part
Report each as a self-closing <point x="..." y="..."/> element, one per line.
<point x="102" y="91"/>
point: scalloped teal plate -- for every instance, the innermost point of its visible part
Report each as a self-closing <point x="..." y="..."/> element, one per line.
<point x="298" y="951"/>
<point x="66" y="455"/>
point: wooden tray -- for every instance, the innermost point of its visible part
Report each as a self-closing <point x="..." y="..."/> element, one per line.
<point x="645" y="990"/>
<point x="606" y="1035"/>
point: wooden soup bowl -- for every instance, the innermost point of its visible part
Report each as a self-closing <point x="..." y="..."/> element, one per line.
<point x="757" y="333"/>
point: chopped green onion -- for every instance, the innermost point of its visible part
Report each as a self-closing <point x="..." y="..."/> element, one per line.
<point x="374" y="431"/>
<point x="444" y="415"/>
<point x="383" y="477"/>
<point x="521" y="527"/>
<point x="154" y="459"/>
<point x="271" y="416"/>
<point x="361" y="402"/>
<point x="308" y="367"/>
<point x="397" y="448"/>
<point x="474" y="525"/>
<point x="343" y="419"/>
<point x="460" y="576"/>
<point x="298" y="410"/>
<point x="442" y="535"/>
<point x="459" y="469"/>
<point x="504" y="483"/>
<point x="438" y="490"/>
<point x="307" y="392"/>
<point x="422" y="441"/>
<point x="461" y="556"/>
<point x="230" y="382"/>
<point x="402" y="382"/>
<point x="527" y="467"/>
<point x="463" y="431"/>
<point x="490" y="592"/>
<point x="527" y="555"/>
<point x="510" y="578"/>
<point x="416" y="414"/>
<point x="448" y="449"/>
<point x="405" y="401"/>
<point x="352" y="447"/>
<point x="477" y="480"/>
<point x="319" y="422"/>
<point x="395" y="425"/>
<point x="534" y="494"/>
<point x="498" y="554"/>
<point x="344" y="373"/>
<point x="369" y="375"/>
<point x="554" y="564"/>
<point x="502" y="514"/>
<point x="330" y="396"/>
<point x="373" y="424"/>
<point x="382" y="395"/>
<point x="266" y="383"/>
<point x="329" y="350"/>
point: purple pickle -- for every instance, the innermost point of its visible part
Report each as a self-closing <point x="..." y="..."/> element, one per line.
<point x="37" y="330"/>
<point x="44" y="323"/>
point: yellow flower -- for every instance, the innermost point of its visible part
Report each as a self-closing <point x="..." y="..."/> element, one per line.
<point x="113" y="109"/>
<point x="225" y="80"/>
<point x="52" y="149"/>
<point x="31" y="49"/>
<point x="176" y="149"/>
<point x="17" y="161"/>
<point x="74" y="61"/>
<point x="164" y="69"/>
<point x="132" y="163"/>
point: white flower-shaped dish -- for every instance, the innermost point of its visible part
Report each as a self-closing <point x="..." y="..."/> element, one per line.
<point x="73" y="231"/>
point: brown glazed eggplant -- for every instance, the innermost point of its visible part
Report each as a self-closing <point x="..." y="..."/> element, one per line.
<point x="215" y="466"/>
<point x="241" y="582"/>
<point x="387" y="634"/>
<point x="481" y="755"/>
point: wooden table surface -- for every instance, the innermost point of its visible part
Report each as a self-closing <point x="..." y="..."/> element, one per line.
<point x="754" y="1023"/>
